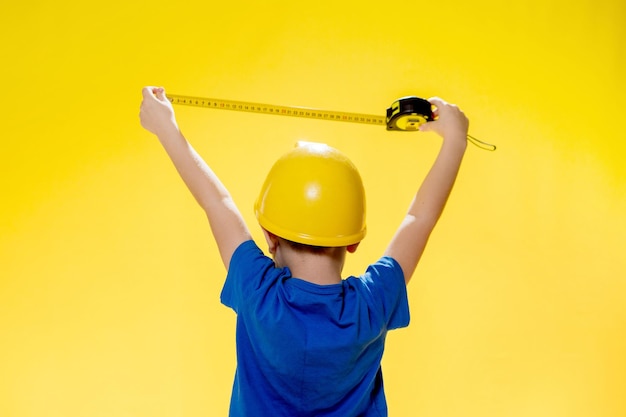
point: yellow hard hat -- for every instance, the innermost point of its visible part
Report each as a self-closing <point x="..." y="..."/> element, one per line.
<point x="313" y="195"/>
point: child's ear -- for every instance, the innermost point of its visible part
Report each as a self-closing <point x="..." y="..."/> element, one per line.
<point x="272" y="241"/>
<point x="352" y="248"/>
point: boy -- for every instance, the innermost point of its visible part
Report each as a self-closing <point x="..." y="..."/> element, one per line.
<point x="310" y="343"/>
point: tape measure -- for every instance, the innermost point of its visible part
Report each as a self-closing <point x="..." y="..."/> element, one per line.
<point x="214" y="103"/>
<point x="405" y="114"/>
<point x="409" y="113"/>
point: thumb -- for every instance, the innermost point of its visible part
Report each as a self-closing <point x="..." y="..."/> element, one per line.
<point x="152" y="92"/>
<point x="148" y="92"/>
<point x="160" y="93"/>
<point x="428" y="126"/>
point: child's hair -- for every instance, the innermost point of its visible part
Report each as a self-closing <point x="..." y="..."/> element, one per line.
<point x="301" y="247"/>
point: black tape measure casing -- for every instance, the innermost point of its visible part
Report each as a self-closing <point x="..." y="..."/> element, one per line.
<point x="408" y="114"/>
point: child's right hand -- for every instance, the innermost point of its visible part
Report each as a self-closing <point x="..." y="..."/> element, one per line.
<point x="156" y="113"/>
<point x="450" y="121"/>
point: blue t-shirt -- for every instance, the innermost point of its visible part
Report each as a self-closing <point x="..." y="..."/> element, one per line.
<point x="310" y="350"/>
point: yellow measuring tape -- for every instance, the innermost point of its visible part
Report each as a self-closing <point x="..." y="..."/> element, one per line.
<point x="405" y="114"/>
<point x="262" y="108"/>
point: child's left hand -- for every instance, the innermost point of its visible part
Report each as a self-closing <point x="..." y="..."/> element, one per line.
<point x="156" y="113"/>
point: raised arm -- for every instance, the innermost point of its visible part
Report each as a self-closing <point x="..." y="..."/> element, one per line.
<point x="227" y="225"/>
<point x="410" y="239"/>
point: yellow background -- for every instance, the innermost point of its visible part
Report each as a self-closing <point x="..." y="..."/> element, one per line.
<point x="110" y="280"/>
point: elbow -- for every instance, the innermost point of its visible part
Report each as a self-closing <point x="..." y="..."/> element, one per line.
<point x="422" y="223"/>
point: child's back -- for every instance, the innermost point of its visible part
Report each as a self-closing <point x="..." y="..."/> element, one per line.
<point x="309" y="349"/>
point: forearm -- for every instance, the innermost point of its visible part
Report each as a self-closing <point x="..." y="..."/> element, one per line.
<point x="431" y="198"/>
<point x="409" y="242"/>
<point x="226" y="222"/>
<point x="199" y="178"/>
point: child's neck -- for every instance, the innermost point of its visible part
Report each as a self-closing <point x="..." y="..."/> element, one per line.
<point x="321" y="269"/>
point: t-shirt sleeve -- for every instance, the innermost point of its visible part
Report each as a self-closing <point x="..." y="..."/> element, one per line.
<point x="385" y="282"/>
<point x="247" y="271"/>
